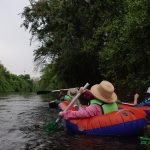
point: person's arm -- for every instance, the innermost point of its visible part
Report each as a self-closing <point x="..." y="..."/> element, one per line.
<point x="86" y="93"/>
<point x="92" y="110"/>
<point x="136" y="96"/>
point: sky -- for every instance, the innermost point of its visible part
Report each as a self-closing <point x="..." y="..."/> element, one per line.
<point x="16" y="53"/>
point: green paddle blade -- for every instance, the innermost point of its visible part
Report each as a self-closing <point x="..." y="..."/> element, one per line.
<point x="48" y="127"/>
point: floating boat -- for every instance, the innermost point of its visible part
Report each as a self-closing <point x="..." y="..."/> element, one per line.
<point x="124" y="122"/>
<point x="146" y="109"/>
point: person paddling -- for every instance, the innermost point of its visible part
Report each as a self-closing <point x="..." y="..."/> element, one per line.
<point x="72" y="92"/>
<point x="103" y="101"/>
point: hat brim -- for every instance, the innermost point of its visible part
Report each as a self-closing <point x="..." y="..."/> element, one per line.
<point x="71" y="95"/>
<point x="97" y="94"/>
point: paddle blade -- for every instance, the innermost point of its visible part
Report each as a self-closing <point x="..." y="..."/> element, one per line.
<point x="43" y="92"/>
<point x="48" y="127"/>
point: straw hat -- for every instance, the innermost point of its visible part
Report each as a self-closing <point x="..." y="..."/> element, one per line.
<point x="104" y="92"/>
<point x="72" y="92"/>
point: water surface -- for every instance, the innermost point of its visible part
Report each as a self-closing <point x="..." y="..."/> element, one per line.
<point x="21" y="120"/>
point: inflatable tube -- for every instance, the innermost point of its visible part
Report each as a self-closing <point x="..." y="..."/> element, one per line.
<point x="146" y="109"/>
<point x="125" y="122"/>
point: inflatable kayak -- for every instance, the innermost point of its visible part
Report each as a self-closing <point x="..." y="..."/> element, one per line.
<point x="124" y="122"/>
<point x="146" y="109"/>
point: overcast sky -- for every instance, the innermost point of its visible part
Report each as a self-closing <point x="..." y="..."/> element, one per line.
<point x="16" y="54"/>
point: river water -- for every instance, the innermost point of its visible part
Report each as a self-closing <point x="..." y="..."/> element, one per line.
<point x="21" y="120"/>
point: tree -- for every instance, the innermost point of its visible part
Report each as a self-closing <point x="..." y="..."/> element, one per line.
<point x="13" y="83"/>
<point x="85" y="41"/>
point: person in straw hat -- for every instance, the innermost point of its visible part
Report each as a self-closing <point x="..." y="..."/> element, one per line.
<point x="103" y="101"/>
<point x="71" y="94"/>
<point x="145" y="102"/>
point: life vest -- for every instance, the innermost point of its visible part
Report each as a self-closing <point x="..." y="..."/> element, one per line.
<point x="106" y="108"/>
<point x="67" y="97"/>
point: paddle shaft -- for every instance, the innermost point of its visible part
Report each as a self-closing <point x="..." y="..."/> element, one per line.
<point x="73" y="100"/>
<point x="46" y="92"/>
<point x="62" y="90"/>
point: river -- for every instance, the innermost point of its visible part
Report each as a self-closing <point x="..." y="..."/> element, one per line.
<point x="21" y="120"/>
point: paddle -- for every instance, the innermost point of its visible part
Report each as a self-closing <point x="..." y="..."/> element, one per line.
<point x="52" y="125"/>
<point x="46" y="92"/>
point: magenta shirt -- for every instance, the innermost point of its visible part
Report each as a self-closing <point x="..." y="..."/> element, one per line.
<point x="88" y="95"/>
<point x="84" y="112"/>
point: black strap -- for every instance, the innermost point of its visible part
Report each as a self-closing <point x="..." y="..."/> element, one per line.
<point x="102" y="107"/>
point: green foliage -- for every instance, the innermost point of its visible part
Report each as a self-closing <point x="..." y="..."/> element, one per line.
<point x="92" y="41"/>
<point x="13" y="83"/>
<point x="49" y="80"/>
<point x="126" y="52"/>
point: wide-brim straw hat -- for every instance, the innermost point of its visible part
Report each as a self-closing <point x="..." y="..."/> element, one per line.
<point x="104" y="92"/>
<point x="72" y="92"/>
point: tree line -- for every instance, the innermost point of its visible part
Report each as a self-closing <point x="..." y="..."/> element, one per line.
<point x="91" y="40"/>
<point x="13" y="83"/>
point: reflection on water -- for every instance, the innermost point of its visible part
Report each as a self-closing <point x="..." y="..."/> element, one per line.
<point x="21" y="119"/>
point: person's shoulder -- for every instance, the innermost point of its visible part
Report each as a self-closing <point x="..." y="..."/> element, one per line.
<point x="67" y="97"/>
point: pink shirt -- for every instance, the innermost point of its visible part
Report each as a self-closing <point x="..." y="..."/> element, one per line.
<point x="84" y="112"/>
